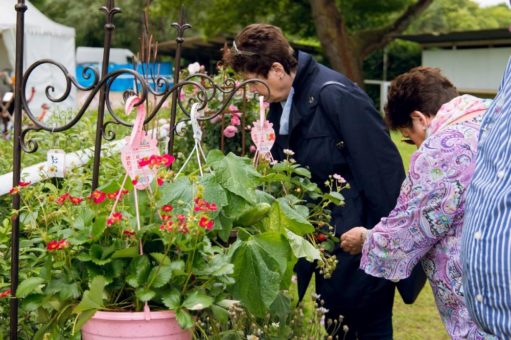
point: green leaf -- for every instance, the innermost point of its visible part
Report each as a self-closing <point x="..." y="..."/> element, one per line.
<point x="97" y="255"/>
<point x="160" y="258"/>
<point x="302" y="248"/>
<point x="184" y="319"/>
<point x="126" y="252"/>
<point x="93" y="298"/>
<point x="98" y="227"/>
<point x="172" y="299"/>
<point x="221" y="314"/>
<point x="219" y="265"/>
<point x="213" y="192"/>
<point x="180" y="189"/>
<point x="238" y="176"/>
<point x="252" y="215"/>
<point x="283" y="215"/>
<point x="257" y="276"/>
<point x="336" y="197"/>
<point x="82" y="318"/>
<point x="302" y="172"/>
<point x="160" y="276"/>
<point x="197" y="301"/>
<point x="29" y="286"/>
<point x="32" y="302"/>
<point x="178" y="268"/>
<point x="281" y="307"/>
<point x="277" y="246"/>
<point x="138" y="271"/>
<point x="144" y="294"/>
<point x="214" y="156"/>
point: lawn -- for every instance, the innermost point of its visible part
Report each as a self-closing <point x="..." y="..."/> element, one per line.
<point x="421" y="320"/>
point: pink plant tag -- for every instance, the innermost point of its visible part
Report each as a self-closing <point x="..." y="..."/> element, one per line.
<point x="138" y="146"/>
<point x="262" y="132"/>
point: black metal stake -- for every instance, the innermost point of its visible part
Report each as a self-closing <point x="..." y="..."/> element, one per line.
<point x="20" y="8"/>
<point x="180" y="26"/>
<point x="110" y="10"/>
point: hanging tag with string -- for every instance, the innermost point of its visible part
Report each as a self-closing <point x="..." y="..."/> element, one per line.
<point x="197" y="137"/>
<point x="263" y="135"/>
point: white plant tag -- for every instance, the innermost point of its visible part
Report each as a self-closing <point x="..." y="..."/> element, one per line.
<point x="56" y="163"/>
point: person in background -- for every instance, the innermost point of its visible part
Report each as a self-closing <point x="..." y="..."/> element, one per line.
<point x="486" y="239"/>
<point x="426" y="224"/>
<point x="332" y="127"/>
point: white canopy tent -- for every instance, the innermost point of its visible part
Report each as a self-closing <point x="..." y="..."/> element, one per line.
<point x="44" y="39"/>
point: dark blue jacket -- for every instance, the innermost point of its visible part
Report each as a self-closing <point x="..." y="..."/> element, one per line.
<point x="336" y="129"/>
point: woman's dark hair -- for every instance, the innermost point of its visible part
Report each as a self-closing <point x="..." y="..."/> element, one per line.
<point x="257" y="47"/>
<point x="422" y="89"/>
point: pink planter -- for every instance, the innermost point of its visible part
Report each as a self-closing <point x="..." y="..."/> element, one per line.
<point x="126" y="325"/>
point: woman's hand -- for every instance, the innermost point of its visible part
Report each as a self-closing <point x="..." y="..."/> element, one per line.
<point x="353" y="240"/>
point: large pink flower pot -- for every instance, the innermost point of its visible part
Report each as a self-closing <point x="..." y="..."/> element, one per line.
<point x="126" y="325"/>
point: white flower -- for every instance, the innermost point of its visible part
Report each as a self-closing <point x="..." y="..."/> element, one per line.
<point x="194" y="68"/>
<point x="288" y="152"/>
<point x="315" y="296"/>
<point x="345" y="328"/>
<point x="339" y="178"/>
<point x="322" y="310"/>
<point x="275" y="324"/>
<point x="252" y="337"/>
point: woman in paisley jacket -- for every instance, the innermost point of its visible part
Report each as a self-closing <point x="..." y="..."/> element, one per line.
<point x="427" y="221"/>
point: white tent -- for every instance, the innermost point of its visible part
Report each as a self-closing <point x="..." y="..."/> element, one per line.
<point x="44" y="39"/>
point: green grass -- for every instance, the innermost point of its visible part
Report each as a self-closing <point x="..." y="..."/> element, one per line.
<point x="421" y="320"/>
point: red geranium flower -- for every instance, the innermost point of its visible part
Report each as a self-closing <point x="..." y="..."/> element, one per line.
<point x="114" y="218"/>
<point x="97" y="196"/>
<point x="52" y="245"/>
<point x="167" y="208"/>
<point x="167" y="160"/>
<point x="5" y="293"/>
<point x="24" y="184"/>
<point x="128" y="232"/>
<point x="75" y="200"/>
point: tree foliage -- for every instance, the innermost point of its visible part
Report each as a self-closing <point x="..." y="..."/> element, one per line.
<point x="349" y="31"/>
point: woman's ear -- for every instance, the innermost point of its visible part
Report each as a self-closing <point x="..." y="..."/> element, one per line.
<point x="421" y="118"/>
<point x="278" y="69"/>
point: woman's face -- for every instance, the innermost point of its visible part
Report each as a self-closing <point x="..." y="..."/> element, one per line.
<point x="416" y="134"/>
<point x="278" y="81"/>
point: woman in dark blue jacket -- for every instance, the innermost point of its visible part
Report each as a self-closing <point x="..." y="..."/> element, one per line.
<point x="332" y="127"/>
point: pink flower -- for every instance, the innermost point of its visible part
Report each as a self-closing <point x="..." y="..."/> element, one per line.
<point x="252" y="148"/>
<point x="233" y="109"/>
<point x="216" y="119"/>
<point x="235" y="120"/>
<point x="230" y="131"/>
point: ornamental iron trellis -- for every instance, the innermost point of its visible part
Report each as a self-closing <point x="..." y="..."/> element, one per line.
<point x="207" y="89"/>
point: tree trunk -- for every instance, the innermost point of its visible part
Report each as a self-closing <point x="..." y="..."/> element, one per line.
<point x="346" y="52"/>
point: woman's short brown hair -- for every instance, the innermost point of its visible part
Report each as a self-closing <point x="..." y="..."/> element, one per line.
<point x="257" y="47"/>
<point x="422" y="89"/>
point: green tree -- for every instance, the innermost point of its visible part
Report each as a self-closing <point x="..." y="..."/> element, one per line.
<point x="445" y="16"/>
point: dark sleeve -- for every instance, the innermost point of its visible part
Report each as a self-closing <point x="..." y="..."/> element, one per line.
<point x="373" y="159"/>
